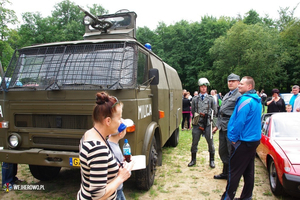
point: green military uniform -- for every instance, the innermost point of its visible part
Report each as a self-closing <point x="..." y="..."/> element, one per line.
<point x="203" y="106"/>
<point x="225" y="112"/>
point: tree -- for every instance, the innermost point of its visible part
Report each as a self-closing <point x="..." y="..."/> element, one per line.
<point x="36" y="29"/>
<point x="252" y="17"/>
<point x="205" y="33"/>
<point x="252" y="50"/>
<point x="65" y="24"/>
<point x="290" y="27"/>
<point x="145" y="35"/>
<point x="7" y="17"/>
<point x="286" y="17"/>
<point x="291" y="39"/>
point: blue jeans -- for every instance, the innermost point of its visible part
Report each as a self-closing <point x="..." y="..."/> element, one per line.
<point x="9" y="172"/>
<point x="120" y="195"/>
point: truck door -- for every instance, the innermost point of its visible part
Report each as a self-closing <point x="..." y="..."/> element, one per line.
<point x="175" y="90"/>
<point x="161" y="100"/>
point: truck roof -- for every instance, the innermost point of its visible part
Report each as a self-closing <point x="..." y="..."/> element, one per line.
<point x="93" y="41"/>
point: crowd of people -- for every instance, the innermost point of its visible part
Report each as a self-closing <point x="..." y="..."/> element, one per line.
<point x="275" y="103"/>
<point x="238" y="115"/>
<point x="237" y="140"/>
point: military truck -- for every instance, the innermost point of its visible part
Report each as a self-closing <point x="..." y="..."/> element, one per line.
<point x="48" y="94"/>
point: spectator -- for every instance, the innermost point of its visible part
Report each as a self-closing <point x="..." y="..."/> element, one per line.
<point x="9" y="172"/>
<point x="244" y="133"/>
<point x="275" y="103"/>
<point x="219" y="102"/>
<point x="101" y="174"/>
<point x="215" y="97"/>
<point x="186" y="111"/>
<point x="189" y="96"/>
<point x="288" y="108"/>
<point x="220" y="95"/>
<point x="295" y="91"/>
<point x="113" y="141"/>
<point x="183" y="92"/>
<point x="195" y="93"/>
<point x="263" y="97"/>
<point x="297" y="104"/>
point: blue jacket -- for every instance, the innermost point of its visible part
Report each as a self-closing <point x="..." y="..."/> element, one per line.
<point x="245" y="121"/>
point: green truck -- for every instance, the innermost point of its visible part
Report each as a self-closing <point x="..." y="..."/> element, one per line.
<point x="47" y="95"/>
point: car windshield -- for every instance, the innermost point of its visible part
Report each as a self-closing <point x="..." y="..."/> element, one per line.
<point x="286" y="125"/>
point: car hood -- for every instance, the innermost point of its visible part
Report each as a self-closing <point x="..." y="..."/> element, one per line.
<point x="291" y="150"/>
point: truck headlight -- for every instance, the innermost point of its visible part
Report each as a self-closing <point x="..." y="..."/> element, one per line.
<point x="14" y="140"/>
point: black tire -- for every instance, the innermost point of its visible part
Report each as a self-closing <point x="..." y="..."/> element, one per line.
<point x="44" y="173"/>
<point x="275" y="184"/>
<point x="174" y="139"/>
<point x="145" y="177"/>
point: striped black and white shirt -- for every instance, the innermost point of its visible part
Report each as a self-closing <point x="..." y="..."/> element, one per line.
<point x="98" y="168"/>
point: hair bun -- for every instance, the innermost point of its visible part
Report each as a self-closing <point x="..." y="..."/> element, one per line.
<point x="101" y="98"/>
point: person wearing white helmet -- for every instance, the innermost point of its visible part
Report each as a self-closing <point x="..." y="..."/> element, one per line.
<point x="203" y="106"/>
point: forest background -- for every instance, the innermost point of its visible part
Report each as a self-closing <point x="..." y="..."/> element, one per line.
<point x="258" y="46"/>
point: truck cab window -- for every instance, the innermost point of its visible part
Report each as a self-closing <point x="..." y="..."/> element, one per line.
<point x="142" y="72"/>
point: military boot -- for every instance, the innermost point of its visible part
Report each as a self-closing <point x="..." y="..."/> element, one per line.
<point x="193" y="161"/>
<point x="212" y="160"/>
<point x="224" y="173"/>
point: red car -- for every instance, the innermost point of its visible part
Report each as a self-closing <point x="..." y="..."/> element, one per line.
<point x="279" y="150"/>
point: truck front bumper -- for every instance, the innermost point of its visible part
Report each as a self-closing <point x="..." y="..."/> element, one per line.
<point x="41" y="157"/>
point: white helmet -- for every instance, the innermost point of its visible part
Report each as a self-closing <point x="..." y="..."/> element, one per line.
<point x="203" y="81"/>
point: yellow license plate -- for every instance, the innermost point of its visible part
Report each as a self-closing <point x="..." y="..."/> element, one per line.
<point x="75" y="162"/>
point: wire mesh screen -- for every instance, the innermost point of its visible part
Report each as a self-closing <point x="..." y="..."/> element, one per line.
<point x="74" y="67"/>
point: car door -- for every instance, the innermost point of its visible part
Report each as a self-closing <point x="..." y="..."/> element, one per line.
<point x="262" y="149"/>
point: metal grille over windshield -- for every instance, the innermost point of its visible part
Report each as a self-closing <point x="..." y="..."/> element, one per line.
<point x="74" y="67"/>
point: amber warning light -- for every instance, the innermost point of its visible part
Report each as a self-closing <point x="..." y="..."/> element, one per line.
<point x="130" y="126"/>
<point x="161" y="114"/>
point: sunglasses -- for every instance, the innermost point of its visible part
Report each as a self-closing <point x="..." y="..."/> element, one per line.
<point x="117" y="101"/>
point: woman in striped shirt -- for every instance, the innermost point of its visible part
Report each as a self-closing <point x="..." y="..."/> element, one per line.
<point x="101" y="174"/>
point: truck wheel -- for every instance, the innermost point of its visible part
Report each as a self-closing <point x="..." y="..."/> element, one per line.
<point x="44" y="173"/>
<point x="174" y="139"/>
<point x="145" y="177"/>
<point x="275" y="184"/>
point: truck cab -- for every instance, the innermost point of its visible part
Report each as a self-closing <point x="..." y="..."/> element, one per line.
<point x="46" y="106"/>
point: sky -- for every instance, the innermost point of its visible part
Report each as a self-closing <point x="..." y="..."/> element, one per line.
<point x="151" y="12"/>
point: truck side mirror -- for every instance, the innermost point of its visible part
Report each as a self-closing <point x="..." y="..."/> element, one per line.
<point x="153" y="74"/>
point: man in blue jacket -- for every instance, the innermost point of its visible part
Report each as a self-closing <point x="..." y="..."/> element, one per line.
<point x="244" y="133"/>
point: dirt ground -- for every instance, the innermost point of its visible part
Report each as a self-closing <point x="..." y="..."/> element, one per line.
<point x="174" y="180"/>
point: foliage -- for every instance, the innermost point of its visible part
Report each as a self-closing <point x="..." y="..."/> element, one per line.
<point x="286" y="16"/>
<point x="265" y="48"/>
<point x="252" y="17"/>
<point x="7" y="17"/>
<point x="291" y="40"/>
<point x="65" y="22"/>
<point x="173" y="42"/>
<point x="252" y="50"/>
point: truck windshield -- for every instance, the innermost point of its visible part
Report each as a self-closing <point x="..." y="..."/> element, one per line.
<point x="73" y="67"/>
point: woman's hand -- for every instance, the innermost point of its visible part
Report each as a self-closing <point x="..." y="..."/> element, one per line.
<point x="129" y="165"/>
<point x="269" y="102"/>
<point x="125" y="171"/>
